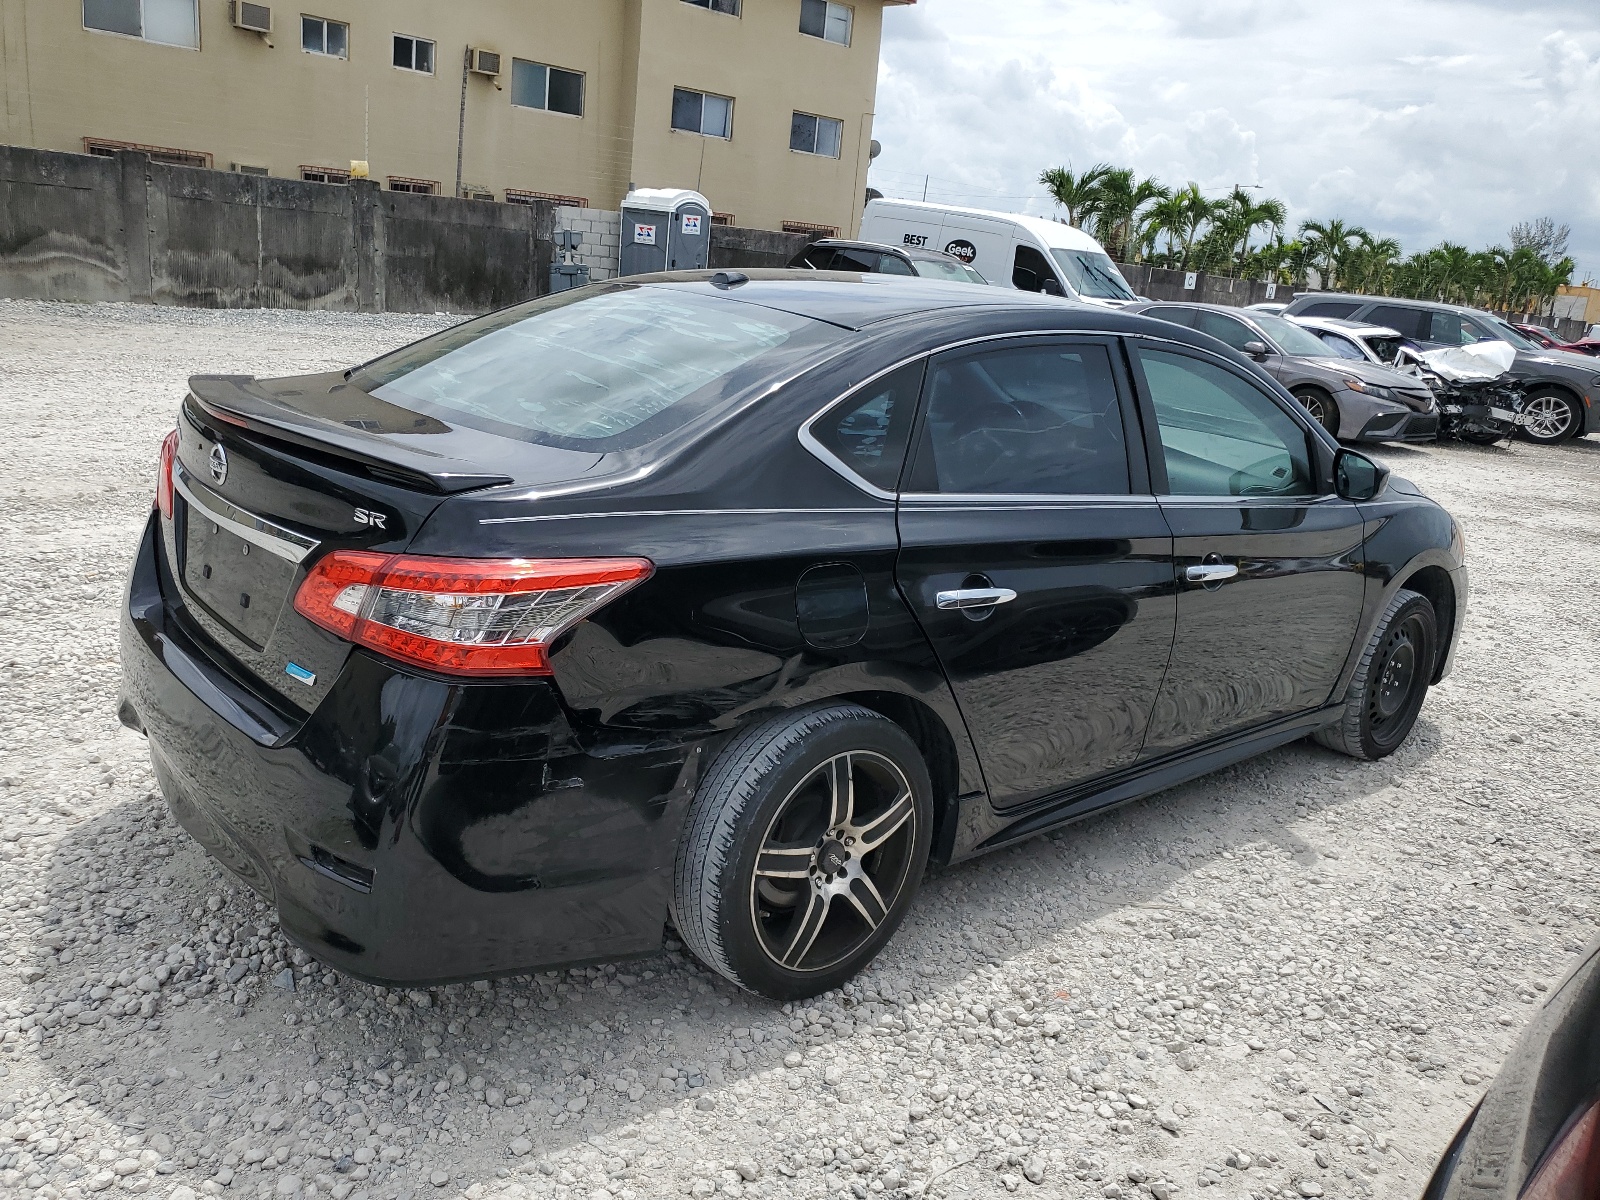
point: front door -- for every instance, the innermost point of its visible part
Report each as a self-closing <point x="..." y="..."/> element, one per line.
<point x="1268" y="562"/>
<point x="1037" y="560"/>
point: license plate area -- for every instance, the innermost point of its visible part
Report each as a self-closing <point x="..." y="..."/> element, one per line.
<point x="241" y="585"/>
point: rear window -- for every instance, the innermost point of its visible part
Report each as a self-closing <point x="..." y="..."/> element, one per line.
<point x="594" y="369"/>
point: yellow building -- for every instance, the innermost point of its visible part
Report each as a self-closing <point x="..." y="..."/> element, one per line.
<point x="765" y="106"/>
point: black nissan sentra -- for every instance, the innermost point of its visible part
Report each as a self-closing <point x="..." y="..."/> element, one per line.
<point x="730" y="601"/>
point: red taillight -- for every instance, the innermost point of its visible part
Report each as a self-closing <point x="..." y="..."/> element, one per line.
<point x="461" y="616"/>
<point x="169" y="451"/>
<point x="1570" y="1169"/>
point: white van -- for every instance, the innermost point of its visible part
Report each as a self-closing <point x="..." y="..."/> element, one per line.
<point x="1007" y="249"/>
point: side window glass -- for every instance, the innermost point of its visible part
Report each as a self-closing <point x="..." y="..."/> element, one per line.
<point x="1222" y="436"/>
<point x="1031" y="270"/>
<point x="893" y="264"/>
<point x="1226" y="329"/>
<point x="1178" y="316"/>
<point x="1341" y="346"/>
<point x="847" y="258"/>
<point x="1452" y="330"/>
<point x="1407" y="322"/>
<point x="868" y="431"/>
<point x="1329" y="308"/>
<point x="1036" y="420"/>
<point x="821" y="259"/>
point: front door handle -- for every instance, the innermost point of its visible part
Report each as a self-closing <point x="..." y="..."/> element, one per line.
<point x="1210" y="572"/>
<point x="975" y="597"/>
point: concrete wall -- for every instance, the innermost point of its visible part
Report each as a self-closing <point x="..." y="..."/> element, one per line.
<point x="602" y="239"/>
<point x="78" y="228"/>
<point x="1160" y="284"/>
<point x="734" y="247"/>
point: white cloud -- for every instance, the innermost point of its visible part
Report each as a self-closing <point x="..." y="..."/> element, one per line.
<point x="1453" y="119"/>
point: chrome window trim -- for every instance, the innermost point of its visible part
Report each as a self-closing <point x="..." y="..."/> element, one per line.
<point x="1015" y="500"/>
<point x="681" y="512"/>
<point x="257" y="530"/>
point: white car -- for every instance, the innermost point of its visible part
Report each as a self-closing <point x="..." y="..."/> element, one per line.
<point x="1355" y="340"/>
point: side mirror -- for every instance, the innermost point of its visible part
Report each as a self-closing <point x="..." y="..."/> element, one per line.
<point x="1256" y="350"/>
<point x="1357" y="477"/>
<point x="1052" y="286"/>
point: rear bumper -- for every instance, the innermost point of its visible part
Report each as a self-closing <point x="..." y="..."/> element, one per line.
<point x="411" y="830"/>
<point x="1400" y="427"/>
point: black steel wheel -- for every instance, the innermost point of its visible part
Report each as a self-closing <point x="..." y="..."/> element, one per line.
<point x="1552" y="417"/>
<point x="1390" y="682"/>
<point x="802" y="850"/>
<point x="1321" y="406"/>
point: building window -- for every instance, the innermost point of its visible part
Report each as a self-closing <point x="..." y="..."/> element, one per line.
<point x="807" y="227"/>
<point x="318" y="36"/>
<point x="324" y="175"/>
<point x="731" y="7"/>
<point x="419" y="187"/>
<point x="698" y="112"/>
<point x="248" y="169"/>
<point x="535" y="85"/>
<point x="102" y="148"/>
<point x="169" y="22"/>
<point x="520" y="196"/>
<point x="722" y="218"/>
<point x="815" y="135"/>
<point x="413" y="54"/>
<point x="826" y="20"/>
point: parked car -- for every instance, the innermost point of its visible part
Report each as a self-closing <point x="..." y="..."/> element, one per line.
<point x="1588" y="345"/>
<point x="1561" y="387"/>
<point x="733" y="599"/>
<point x="1355" y="401"/>
<point x="1030" y="254"/>
<point x="1535" y="1135"/>
<point x="1355" y="340"/>
<point x="1544" y="337"/>
<point x="1272" y="308"/>
<point x="840" y="254"/>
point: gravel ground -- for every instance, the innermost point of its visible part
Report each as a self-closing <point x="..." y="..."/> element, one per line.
<point x="1292" y="978"/>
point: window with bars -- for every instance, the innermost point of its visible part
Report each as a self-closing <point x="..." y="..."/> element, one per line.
<point x="522" y="196"/>
<point x="731" y="7"/>
<point x="808" y="227"/>
<point x="536" y="85"/>
<point x="413" y="54"/>
<point x="702" y="113"/>
<point x="816" y="135"/>
<point x="419" y="187"/>
<point x="722" y="219"/>
<point x="321" y="36"/>
<point x="103" y="148"/>
<point x="826" y="20"/>
<point x="167" y="22"/>
<point x="324" y="175"/>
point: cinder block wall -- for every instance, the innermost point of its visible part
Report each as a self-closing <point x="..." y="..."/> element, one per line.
<point x="602" y="238"/>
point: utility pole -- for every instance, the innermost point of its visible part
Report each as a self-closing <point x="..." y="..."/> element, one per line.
<point x="461" y="119"/>
<point x="925" y="179"/>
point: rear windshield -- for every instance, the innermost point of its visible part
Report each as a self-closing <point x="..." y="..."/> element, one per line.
<point x="955" y="272"/>
<point x="594" y="369"/>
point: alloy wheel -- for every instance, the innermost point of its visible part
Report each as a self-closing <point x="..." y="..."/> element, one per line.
<point x="833" y="861"/>
<point x="1549" y="418"/>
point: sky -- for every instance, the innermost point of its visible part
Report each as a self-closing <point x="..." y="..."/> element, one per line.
<point x="1421" y="120"/>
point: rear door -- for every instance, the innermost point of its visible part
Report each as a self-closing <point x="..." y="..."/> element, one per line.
<point x="1037" y="560"/>
<point x="1268" y="561"/>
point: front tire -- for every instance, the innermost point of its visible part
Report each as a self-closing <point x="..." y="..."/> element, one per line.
<point x="1553" y="417"/>
<point x="803" y="849"/>
<point x="1322" y="407"/>
<point x="1390" y="682"/>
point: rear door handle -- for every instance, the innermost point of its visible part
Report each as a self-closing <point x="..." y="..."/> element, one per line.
<point x="1210" y="572"/>
<point x="975" y="598"/>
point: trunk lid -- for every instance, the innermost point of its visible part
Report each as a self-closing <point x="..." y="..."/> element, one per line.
<point x="270" y="475"/>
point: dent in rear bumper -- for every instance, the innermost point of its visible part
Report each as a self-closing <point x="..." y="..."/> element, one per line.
<point x="492" y="840"/>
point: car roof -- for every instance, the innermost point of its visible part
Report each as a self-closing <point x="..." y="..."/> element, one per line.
<point x="1055" y="234"/>
<point x="1340" y="325"/>
<point x="1405" y="301"/>
<point x="858" y="300"/>
<point x="908" y="251"/>
<point x="1231" y="310"/>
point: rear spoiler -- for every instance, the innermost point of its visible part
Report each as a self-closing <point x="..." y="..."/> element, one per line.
<point x="356" y="442"/>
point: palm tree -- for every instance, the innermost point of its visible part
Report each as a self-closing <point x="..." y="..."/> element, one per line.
<point x="1330" y="242"/>
<point x="1078" y="194"/>
<point x="1117" y="203"/>
<point x="1167" y="216"/>
<point x="1196" y="211"/>
<point x="1253" y="214"/>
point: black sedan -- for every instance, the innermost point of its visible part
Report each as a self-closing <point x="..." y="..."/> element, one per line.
<point x="841" y="254"/>
<point x="1536" y="1133"/>
<point x="732" y="601"/>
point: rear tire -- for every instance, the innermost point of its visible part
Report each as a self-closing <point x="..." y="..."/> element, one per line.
<point x="1556" y="416"/>
<point x="803" y="849"/>
<point x="1322" y="407"/>
<point x="1390" y="683"/>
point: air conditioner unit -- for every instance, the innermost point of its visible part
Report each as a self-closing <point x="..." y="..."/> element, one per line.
<point x="257" y="18"/>
<point x="485" y="62"/>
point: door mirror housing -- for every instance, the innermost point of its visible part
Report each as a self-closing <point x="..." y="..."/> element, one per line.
<point x="1256" y="350"/>
<point x="1357" y="477"/>
<point x="1052" y="286"/>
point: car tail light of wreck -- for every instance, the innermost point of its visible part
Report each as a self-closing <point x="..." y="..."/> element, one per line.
<point x="461" y="616"/>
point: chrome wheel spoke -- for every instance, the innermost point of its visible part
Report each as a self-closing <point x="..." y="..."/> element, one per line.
<point x="863" y="896"/>
<point x="842" y="792"/>
<point x="784" y="862"/>
<point x="885" y="825"/>
<point x="807" y="927"/>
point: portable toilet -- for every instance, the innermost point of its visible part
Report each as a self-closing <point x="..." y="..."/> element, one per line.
<point x="665" y="229"/>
